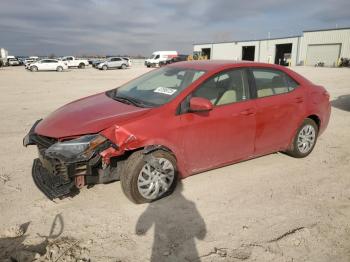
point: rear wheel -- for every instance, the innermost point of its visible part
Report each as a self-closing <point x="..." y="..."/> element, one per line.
<point x="59" y="69"/>
<point x="34" y="68"/>
<point x="123" y="66"/>
<point x="304" y="140"/>
<point x="146" y="178"/>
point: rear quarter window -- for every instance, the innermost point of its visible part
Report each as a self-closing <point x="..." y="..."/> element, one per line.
<point x="271" y="82"/>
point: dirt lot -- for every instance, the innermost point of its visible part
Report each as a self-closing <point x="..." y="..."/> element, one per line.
<point x="273" y="208"/>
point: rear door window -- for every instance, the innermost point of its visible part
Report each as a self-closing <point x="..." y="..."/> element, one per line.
<point x="271" y="82"/>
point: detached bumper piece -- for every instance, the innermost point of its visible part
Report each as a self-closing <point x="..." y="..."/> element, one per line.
<point x="52" y="186"/>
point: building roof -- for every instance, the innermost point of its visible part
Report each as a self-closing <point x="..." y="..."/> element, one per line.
<point x="252" y="40"/>
<point x="328" y="29"/>
<point x="275" y="38"/>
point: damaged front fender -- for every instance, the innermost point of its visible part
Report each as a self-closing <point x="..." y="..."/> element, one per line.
<point x="122" y="138"/>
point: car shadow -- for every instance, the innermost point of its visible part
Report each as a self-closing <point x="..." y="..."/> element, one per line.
<point x="14" y="249"/>
<point x="342" y="102"/>
<point x="177" y="223"/>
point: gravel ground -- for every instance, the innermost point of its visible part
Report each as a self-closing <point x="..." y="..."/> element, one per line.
<point x="273" y="208"/>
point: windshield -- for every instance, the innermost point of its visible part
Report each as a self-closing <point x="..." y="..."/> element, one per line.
<point x="156" y="87"/>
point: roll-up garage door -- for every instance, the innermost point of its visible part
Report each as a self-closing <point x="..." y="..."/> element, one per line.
<point x="328" y="54"/>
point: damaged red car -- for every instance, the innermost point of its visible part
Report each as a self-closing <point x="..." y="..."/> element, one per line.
<point x="174" y="122"/>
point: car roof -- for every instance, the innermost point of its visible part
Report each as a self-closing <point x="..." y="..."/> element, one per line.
<point x="209" y="65"/>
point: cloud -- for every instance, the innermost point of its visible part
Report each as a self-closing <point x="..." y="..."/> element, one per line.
<point x="140" y="27"/>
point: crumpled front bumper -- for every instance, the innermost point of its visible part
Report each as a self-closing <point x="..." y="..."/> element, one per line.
<point x="49" y="175"/>
<point x="52" y="186"/>
<point x="57" y="178"/>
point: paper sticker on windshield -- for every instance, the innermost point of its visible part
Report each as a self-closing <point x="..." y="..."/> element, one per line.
<point x="165" y="90"/>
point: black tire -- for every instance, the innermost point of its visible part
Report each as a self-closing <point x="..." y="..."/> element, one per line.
<point x="294" y="150"/>
<point x="104" y="67"/>
<point x="148" y="66"/>
<point x="33" y="68"/>
<point x="131" y="170"/>
<point x="81" y="66"/>
<point x="59" y="69"/>
<point x="123" y="66"/>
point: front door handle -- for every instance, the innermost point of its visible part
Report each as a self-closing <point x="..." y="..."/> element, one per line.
<point x="248" y="112"/>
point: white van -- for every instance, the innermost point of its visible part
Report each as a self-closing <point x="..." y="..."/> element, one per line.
<point x="160" y="56"/>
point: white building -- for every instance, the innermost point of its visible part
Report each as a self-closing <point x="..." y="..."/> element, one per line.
<point x="326" y="46"/>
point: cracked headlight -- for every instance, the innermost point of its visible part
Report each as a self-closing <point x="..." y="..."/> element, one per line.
<point x="79" y="149"/>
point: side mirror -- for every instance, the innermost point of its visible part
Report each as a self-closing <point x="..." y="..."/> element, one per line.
<point x="200" y="104"/>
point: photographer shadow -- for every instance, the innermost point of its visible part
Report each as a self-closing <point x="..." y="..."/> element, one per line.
<point x="177" y="224"/>
<point x="342" y="102"/>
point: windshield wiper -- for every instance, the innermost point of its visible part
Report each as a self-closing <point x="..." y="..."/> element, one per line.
<point x="128" y="100"/>
<point x="131" y="101"/>
<point x="125" y="100"/>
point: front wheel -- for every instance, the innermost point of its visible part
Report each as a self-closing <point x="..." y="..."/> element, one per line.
<point x="34" y="68"/>
<point x="81" y="66"/>
<point x="146" y="178"/>
<point x="59" y="69"/>
<point x="304" y="140"/>
<point x="104" y="67"/>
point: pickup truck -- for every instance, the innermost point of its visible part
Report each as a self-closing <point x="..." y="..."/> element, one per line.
<point x="73" y="62"/>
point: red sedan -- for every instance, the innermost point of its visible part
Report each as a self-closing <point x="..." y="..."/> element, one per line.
<point x="176" y="121"/>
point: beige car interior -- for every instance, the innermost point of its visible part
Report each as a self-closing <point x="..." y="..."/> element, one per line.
<point x="274" y="87"/>
<point x="225" y="88"/>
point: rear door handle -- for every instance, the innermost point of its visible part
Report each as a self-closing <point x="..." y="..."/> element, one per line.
<point x="299" y="99"/>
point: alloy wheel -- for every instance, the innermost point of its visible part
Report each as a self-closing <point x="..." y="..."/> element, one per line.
<point x="306" y="138"/>
<point x="153" y="181"/>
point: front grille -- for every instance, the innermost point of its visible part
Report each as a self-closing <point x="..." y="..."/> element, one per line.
<point x="53" y="166"/>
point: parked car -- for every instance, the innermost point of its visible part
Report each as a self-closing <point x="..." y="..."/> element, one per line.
<point x="198" y="116"/>
<point x="48" y="65"/>
<point x="158" y="57"/>
<point x="179" y="58"/>
<point x="96" y="62"/>
<point x="74" y="62"/>
<point x="128" y="60"/>
<point x="29" y="61"/>
<point x="21" y="60"/>
<point x="113" y="62"/>
<point x="13" y="62"/>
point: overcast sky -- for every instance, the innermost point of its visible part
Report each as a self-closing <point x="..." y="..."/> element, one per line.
<point x="63" y="27"/>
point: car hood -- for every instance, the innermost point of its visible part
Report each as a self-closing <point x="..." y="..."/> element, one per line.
<point x="87" y="116"/>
